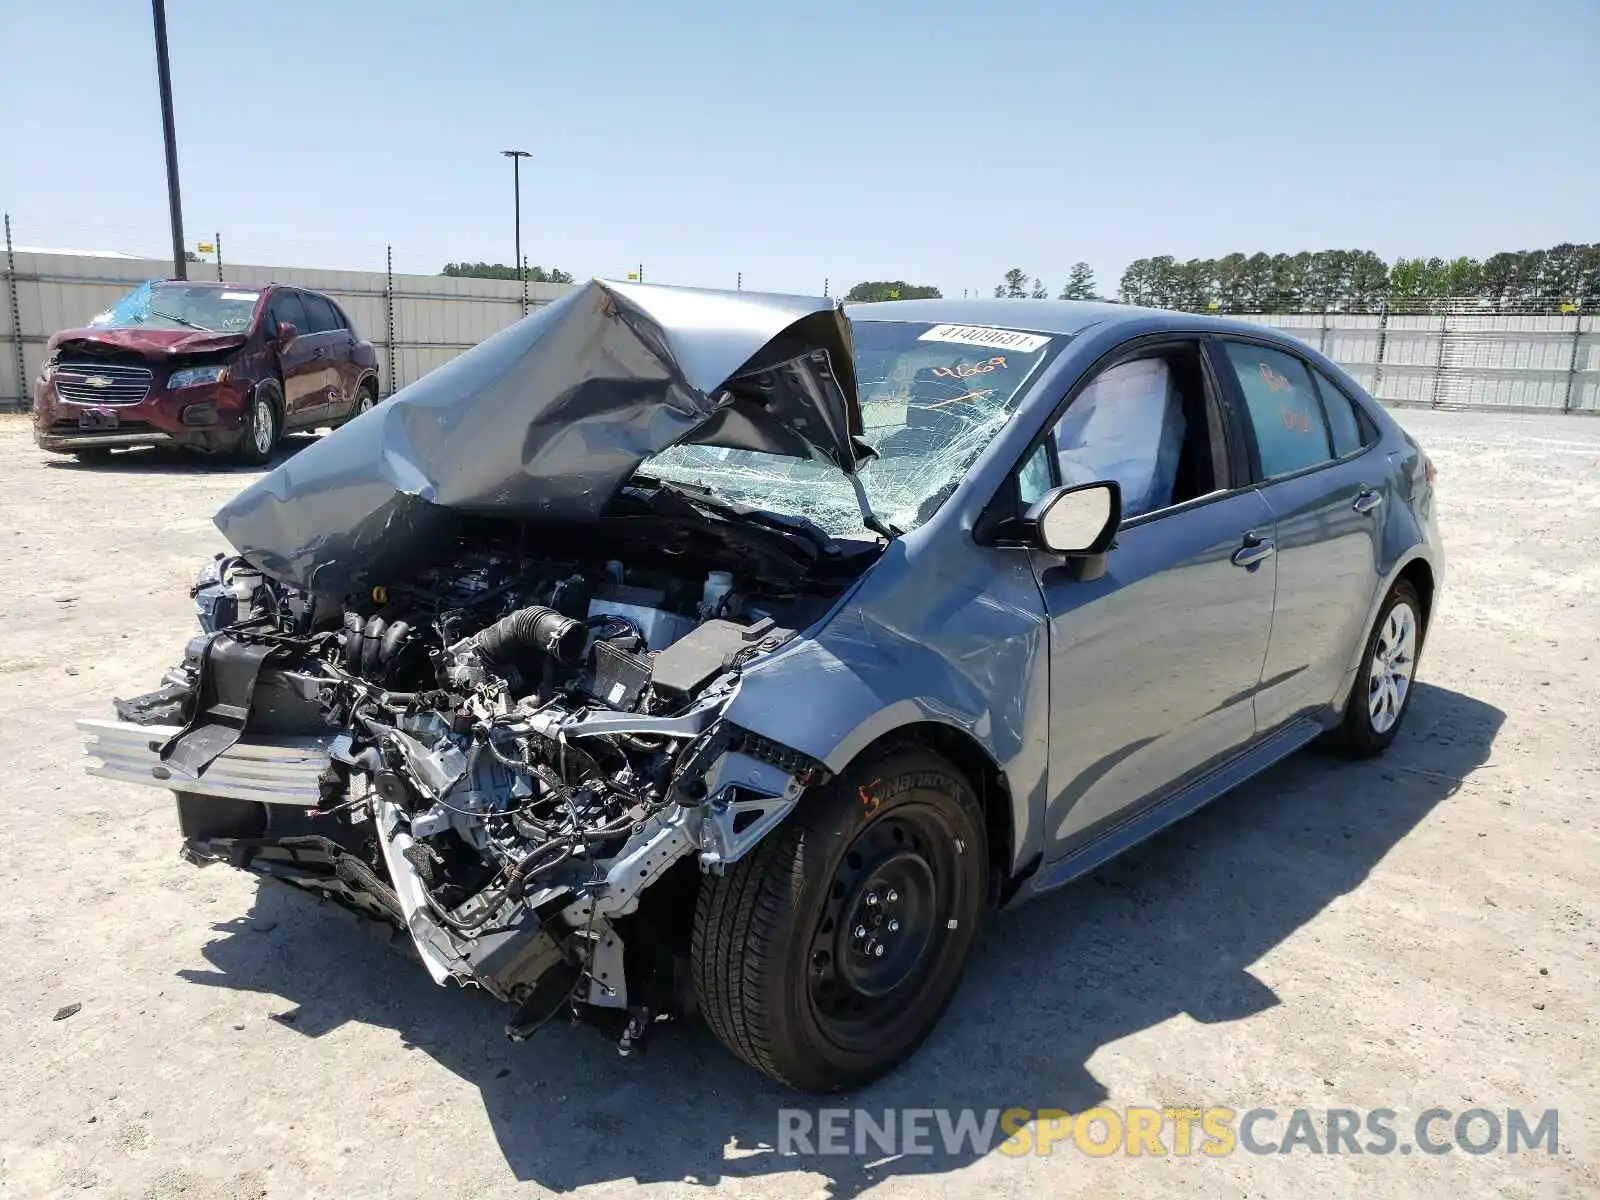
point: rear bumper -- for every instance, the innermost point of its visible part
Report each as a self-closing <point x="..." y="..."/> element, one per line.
<point x="267" y="771"/>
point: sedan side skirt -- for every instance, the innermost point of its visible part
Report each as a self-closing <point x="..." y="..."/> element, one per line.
<point x="1151" y="821"/>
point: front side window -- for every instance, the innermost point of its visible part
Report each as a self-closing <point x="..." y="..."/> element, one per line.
<point x="932" y="399"/>
<point x="286" y="306"/>
<point x="1129" y="425"/>
<point x="1033" y="480"/>
<point x="1290" y="432"/>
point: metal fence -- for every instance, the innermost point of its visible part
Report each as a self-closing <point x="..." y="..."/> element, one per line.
<point x="417" y="322"/>
<point x="1459" y="356"/>
<point x="1454" y="356"/>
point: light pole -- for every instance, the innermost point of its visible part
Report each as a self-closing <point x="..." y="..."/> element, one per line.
<point x="164" y="80"/>
<point x="516" y="157"/>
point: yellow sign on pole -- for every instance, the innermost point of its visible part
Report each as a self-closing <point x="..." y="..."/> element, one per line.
<point x="207" y="248"/>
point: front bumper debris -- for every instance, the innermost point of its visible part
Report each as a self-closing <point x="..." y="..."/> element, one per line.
<point x="283" y="770"/>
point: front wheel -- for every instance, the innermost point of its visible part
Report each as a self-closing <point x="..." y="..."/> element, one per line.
<point x="1382" y="691"/>
<point x="262" y="425"/>
<point x="826" y="955"/>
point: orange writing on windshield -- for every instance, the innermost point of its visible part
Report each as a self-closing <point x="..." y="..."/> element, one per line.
<point x="967" y="371"/>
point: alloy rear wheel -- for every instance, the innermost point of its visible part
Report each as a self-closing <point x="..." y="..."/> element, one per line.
<point x="1382" y="692"/>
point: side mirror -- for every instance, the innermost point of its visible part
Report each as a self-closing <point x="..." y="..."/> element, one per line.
<point x="286" y="334"/>
<point x="1077" y="521"/>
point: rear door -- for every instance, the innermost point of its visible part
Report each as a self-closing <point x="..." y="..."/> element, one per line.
<point x="328" y="350"/>
<point x="1154" y="665"/>
<point x="343" y="345"/>
<point x="1327" y="496"/>
<point x="297" y="362"/>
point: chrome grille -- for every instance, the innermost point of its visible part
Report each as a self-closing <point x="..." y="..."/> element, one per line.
<point x="101" y="383"/>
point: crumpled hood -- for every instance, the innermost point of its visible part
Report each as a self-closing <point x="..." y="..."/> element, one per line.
<point x="548" y="419"/>
<point x="154" y="344"/>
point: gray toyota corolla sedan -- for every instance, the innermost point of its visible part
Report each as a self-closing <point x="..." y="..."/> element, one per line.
<point x="679" y="650"/>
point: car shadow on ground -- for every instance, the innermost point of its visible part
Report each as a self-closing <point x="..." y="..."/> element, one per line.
<point x="165" y="460"/>
<point x="1171" y="928"/>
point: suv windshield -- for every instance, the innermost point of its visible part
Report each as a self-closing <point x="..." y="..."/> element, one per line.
<point x="166" y="305"/>
<point x="932" y="397"/>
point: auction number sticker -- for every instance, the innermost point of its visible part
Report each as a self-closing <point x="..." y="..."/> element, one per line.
<point x="984" y="335"/>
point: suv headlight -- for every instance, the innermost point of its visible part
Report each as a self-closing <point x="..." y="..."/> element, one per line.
<point x="194" y="376"/>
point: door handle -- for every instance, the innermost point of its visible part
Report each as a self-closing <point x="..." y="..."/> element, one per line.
<point x="1254" y="552"/>
<point x="1367" y="499"/>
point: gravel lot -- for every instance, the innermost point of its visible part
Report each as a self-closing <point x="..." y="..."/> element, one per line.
<point x="1412" y="933"/>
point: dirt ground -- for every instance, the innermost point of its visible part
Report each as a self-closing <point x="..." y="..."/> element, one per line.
<point x="1410" y="933"/>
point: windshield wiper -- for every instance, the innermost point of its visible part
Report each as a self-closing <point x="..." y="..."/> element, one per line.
<point x="705" y="501"/>
<point x="870" y="519"/>
<point x="166" y="316"/>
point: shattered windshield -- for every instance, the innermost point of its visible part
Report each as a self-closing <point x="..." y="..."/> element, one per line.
<point x="932" y="397"/>
<point x="166" y="305"/>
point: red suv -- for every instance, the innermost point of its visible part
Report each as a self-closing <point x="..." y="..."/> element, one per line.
<point x="218" y="367"/>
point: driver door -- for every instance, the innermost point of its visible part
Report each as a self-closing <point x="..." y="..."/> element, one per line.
<point x="1155" y="664"/>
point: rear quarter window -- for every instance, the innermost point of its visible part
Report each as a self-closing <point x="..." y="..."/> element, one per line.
<point x="1348" y="432"/>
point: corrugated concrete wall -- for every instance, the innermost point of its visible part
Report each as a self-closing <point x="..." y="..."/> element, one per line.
<point x="1470" y="360"/>
<point x="1509" y="361"/>
<point x="435" y="317"/>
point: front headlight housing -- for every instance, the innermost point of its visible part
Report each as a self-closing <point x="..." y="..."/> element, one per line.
<point x="195" y="376"/>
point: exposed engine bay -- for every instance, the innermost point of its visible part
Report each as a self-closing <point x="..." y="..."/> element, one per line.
<point x="520" y="751"/>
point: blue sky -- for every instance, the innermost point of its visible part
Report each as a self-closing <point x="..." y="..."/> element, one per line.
<point x="938" y="142"/>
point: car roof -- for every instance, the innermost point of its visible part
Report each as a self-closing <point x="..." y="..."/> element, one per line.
<point x="1046" y="316"/>
<point x="214" y="284"/>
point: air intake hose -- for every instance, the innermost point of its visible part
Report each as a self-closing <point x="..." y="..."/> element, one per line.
<point x="537" y="628"/>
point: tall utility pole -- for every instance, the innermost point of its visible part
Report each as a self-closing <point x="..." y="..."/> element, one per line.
<point x="164" y="79"/>
<point x="516" y="157"/>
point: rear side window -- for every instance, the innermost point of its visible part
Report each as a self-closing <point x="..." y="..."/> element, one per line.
<point x="1277" y="387"/>
<point x="1342" y="420"/>
<point x="321" y="313"/>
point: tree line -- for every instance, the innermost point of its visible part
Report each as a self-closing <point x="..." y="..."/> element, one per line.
<point x="1567" y="275"/>
<point x="483" y="270"/>
<point x="1555" y="279"/>
<point x="1080" y="285"/>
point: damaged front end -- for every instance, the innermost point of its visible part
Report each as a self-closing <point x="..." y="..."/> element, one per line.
<point x="488" y="705"/>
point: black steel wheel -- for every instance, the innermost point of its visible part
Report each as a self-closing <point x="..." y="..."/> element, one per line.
<point x="826" y="955"/>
